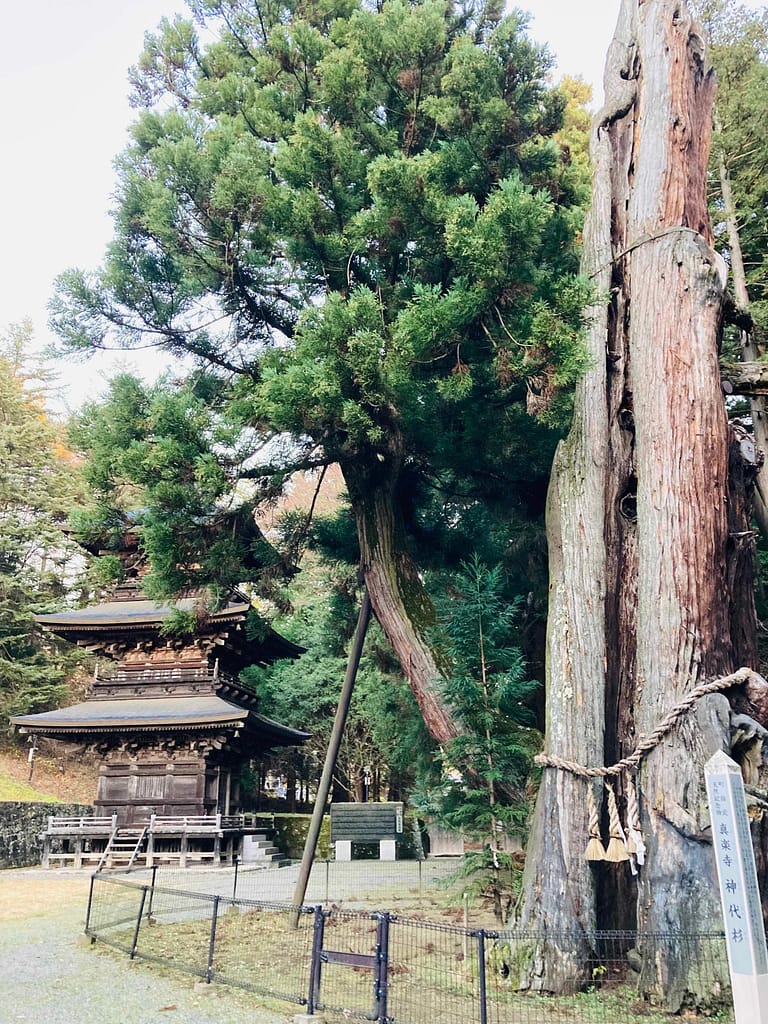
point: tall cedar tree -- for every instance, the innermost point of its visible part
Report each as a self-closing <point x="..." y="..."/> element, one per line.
<point x="738" y="49"/>
<point x="642" y="599"/>
<point x="482" y="788"/>
<point x="358" y="223"/>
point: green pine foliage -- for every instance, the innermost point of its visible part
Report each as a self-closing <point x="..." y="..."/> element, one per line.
<point x="738" y="38"/>
<point x="479" y="786"/>
<point x="163" y="460"/>
<point x="360" y="225"/>
<point x="486" y="770"/>
<point x="38" y="485"/>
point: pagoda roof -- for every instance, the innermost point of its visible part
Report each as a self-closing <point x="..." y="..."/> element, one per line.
<point x="129" y="614"/>
<point x="157" y="714"/>
<point x="118" y="616"/>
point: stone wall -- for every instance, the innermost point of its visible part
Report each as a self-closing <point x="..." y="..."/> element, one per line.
<point x="21" y="825"/>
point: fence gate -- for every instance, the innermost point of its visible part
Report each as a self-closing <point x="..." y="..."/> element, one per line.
<point x="350" y="963"/>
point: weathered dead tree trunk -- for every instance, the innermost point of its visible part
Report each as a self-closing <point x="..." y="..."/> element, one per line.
<point x="640" y="610"/>
<point x="558" y="884"/>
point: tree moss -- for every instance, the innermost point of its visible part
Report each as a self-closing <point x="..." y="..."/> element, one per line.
<point x="290" y="834"/>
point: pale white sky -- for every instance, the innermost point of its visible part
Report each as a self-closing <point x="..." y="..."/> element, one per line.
<point x="63" y="73"/>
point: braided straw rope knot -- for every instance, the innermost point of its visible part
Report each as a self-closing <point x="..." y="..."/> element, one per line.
<point x="647" y="743"/>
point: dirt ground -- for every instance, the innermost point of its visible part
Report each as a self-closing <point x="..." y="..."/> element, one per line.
<point x="64" y="775"/>
<point x="25" y="895"/>
<point x="54" y="974"/>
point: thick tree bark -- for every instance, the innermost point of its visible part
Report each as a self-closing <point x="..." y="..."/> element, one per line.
<point x="741" y="556"/>
<point x="400" y="602"/>
<point x="640" y="610"/>
<point x="558" y="884"/>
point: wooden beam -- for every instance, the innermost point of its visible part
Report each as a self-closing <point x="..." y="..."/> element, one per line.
<point x="746" y="378"/>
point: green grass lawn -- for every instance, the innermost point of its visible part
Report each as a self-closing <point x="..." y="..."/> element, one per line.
<point x="10" y="789"/>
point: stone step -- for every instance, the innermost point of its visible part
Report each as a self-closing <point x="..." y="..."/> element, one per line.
<point x="264" y="849"/>
<point x="261" y="848"/>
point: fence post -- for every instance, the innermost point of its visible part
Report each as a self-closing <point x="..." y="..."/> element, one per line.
<point x="90" y="904"/>
<point x="318" y="932"/>
<point x="481" y="976"/>
<point x="234" y="883"/>
<point x="212" y="943"/>
<point x="381" y="978"/>
<point x="327" y="881"/>
<point x="139" y="916"/>
<point x="152" y="892"/>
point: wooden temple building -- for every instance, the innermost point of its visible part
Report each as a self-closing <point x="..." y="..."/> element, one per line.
<point x="171" y="722"/>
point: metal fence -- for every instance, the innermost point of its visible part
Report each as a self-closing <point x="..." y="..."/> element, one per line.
<point x="353" y="884"/>
<point x="378" y="966"/>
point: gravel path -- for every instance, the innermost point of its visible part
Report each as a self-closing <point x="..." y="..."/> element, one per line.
<point x="52" y="974"/>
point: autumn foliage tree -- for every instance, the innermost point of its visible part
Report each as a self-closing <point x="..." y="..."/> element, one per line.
<point x="39" y="483"/>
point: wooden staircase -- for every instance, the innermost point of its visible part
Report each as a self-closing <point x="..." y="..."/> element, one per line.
<point x="124" y="846"/>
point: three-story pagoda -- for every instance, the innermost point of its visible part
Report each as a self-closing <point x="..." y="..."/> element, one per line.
<point x="171" y="722"/>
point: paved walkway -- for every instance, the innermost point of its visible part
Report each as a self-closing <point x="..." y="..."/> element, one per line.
<point x="52" y="974"/>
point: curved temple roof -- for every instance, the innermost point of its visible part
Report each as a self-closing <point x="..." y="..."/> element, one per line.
<point x="119" y="616"/>
<point x="133" y="613"/>
<point x="157" y="714"/>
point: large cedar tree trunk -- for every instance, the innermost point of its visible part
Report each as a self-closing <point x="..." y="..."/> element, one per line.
<point x="401" y="605"/>
<point x="640" y="608"/>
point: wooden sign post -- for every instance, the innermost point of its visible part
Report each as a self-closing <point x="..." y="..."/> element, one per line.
<point x="739" y="894"/>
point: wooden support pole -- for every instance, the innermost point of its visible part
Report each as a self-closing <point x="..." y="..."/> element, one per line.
<point x="332" y="754"/>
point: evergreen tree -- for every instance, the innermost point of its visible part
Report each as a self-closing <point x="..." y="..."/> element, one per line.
<point x="485" y="770"/>
<point x="384" y="728"/>
<point x="738" y="50"/>
<point x="38" y="485"/>
<point x="359" y="224"/>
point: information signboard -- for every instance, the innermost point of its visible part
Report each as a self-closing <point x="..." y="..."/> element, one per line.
<point x="739" y="894"/>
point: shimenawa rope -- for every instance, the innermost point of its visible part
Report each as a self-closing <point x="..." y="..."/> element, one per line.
<point x="630" y="846"/>
<point x="647" y="744"/>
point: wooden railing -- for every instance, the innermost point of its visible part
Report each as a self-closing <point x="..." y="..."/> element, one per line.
<point x="86" y="824"/>
<point x="168" y="673"/>
<point x="194" y="822"/>
<point x="181" y="838"/>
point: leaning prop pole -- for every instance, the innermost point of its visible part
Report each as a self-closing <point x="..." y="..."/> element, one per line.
<point x="332" y="754"/>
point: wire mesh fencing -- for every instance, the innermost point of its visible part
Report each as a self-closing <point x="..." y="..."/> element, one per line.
<point x="265" y="948"/>
<point x="115" y="911"/>
<point x="343" y="963"/>
<point x="354" y="883"/>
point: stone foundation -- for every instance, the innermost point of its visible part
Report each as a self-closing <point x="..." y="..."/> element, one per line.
<point x="21" y="828"/>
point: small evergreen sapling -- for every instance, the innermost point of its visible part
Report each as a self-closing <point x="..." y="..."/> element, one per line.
<point x="486" y="768"/>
